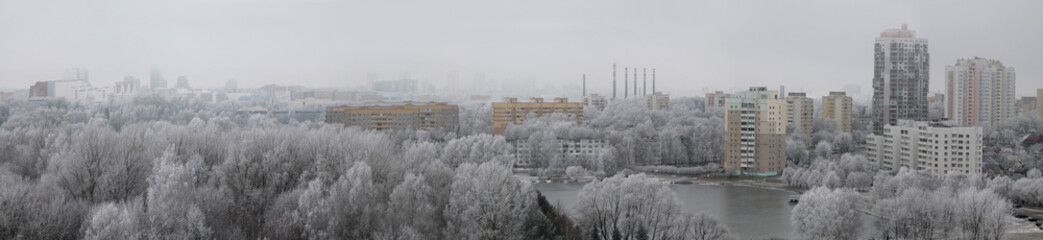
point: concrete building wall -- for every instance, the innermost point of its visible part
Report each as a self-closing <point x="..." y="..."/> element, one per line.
<point x="979" y="92"/>
<point x="658" y="101"/>
<point x="900" y="78"/>
<point x="800" y="114"/>
<point x="755" y="132"/>
<point x="922" y="146"/>
<point x="513" y="112"/>
<point x="837" y="107"/>
<point x="397" y="116"/>
<point x="585" y="149"/>
<point x="716" y="99"/>
<point x="1039" y="102"/>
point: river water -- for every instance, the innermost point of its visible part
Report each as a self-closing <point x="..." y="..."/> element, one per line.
<point x="750" y="212"/>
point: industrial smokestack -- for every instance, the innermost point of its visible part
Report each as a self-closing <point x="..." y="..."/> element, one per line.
<point x="613" y="81"/>
<point x="626" y="75"/>
<point x="635" y="82"/>
<point x="653" y="80"/>
<point x="584" y="84"/>
<point x="644" y="81"/>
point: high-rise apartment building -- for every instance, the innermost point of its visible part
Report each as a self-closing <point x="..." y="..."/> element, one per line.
<point x="979" y="92"/>
<point x="182" y="82"/>
<point x="716" y="99"/>
<point x="156" y="79"/>
<point x="800" y="115"/>
<point x="755" y="133"/>
<point x="923" y="146"/>
<point x="837" y="107"/>
<point x="1039" y="102"/>
<point x="396" y="116"/>
<point x="658" y="101"/>
<point x="513" y="112"/>
<point x="901" y="67"/>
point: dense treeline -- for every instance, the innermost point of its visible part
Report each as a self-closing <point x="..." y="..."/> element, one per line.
<point x="902" y="205"/>
<point x="157" y="169"/>
<point x="684" y="136"/>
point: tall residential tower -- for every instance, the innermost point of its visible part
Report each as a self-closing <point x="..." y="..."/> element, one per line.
<point x="755" y="133"/>
<point x="979" y="92"/>
<point x="837" y="106"/>
<point x="900" y="78"/>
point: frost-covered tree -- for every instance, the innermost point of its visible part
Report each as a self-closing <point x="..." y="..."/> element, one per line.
<point x="112" y="221"/>
<point x="476" y="149"/>
<point x="828" y="214"/>
<point x="486" y="202"/>
<point x="172" y="211"/>
<point x="824" y="149"/>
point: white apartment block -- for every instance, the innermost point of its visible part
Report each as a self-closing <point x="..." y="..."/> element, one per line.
<point x="927" y="147"/>
<point x="568" y="148"/>
<point x="595" y="100"/>
<point x="979" y="92"/>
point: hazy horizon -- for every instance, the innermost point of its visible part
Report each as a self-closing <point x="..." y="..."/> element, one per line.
<point x="814" y="46"/>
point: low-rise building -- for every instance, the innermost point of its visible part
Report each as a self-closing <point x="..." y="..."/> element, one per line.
<point x="74" y="90"/>
<point x="934" y="148"/>
<point x="579" y="149"/>
<point x="513" y="112"/>
<point x="658" y="101"/>
<point x="6" y="97"/>
<point x="396" y="116"/>
<point x="595" y="100"/>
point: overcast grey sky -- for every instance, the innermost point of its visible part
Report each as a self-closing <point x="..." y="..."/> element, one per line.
<point x="816" y="46"/>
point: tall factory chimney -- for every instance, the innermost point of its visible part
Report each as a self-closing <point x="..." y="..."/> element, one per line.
<point x="614" y="81"/>
<point x="653" y="80"/>
<point x="635" y="82"/>
<point x="626" y="74"/>
<point x="644" y="81"/>
<point x="584" y="84"/>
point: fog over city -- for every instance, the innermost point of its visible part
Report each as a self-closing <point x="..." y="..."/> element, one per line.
<point x="695" y="46"/>
<point x="519" y="120"/>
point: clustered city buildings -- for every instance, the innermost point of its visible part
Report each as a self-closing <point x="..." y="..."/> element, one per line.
<point x="979" y="92"/>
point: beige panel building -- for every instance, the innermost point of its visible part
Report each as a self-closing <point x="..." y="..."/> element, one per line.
<point x="837" y="106"/>
<point x="755" y="133"/>
<point x="716" y="99"/>
<point x="658" y="101"/>
<point x="513" y="112"/>
<point x="396" y="116"/>
<point x="1039" y="102"/>
<point x="979" y="92"/>
<point x="800" y="114"/>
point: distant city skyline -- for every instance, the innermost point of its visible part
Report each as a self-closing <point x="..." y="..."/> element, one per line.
<point x="808" y="46"/>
